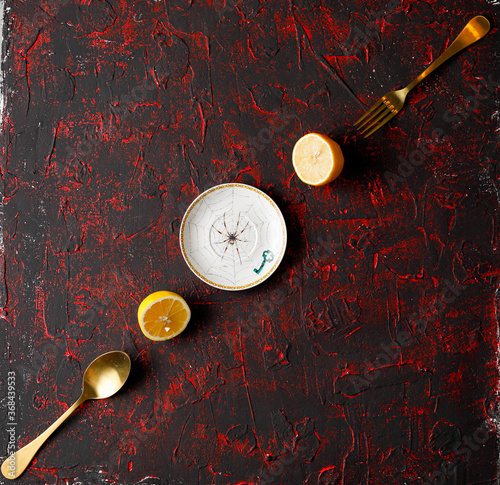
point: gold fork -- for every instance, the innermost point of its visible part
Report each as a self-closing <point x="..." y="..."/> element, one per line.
<point x="392" y="103"/>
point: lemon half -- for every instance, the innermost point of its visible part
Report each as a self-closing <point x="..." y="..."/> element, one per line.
<point x="317" y="159"/>
<point x="163" y="315"/>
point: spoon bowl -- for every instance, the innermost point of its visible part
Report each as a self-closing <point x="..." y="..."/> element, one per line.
<point x="106" y="375"/>
<point x="103" y="377"/>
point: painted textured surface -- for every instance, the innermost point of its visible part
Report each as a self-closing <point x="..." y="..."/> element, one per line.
<point x="369" y="357"/>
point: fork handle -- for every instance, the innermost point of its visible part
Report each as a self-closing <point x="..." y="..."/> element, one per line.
<point x="476" y="29"/>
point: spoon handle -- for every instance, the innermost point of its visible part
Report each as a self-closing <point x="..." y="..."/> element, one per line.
<point x="16" y="463"/>
<point x="475" y="29"/>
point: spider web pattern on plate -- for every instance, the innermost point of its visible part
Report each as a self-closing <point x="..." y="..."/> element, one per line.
<point x="228" y="233"/>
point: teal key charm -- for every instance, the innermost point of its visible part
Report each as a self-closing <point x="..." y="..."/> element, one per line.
<point x="268" y="257"/>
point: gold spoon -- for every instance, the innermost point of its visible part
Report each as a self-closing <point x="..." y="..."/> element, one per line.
<point x="104" y="377"/>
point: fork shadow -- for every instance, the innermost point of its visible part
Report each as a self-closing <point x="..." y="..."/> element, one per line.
<point x="360" y="158"/>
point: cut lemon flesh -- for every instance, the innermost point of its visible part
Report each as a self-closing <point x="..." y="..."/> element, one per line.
<point x="317" y="159"/>
<point x="163" y="315"/>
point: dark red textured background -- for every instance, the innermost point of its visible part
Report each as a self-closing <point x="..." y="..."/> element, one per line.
<point x="119" y="113"/>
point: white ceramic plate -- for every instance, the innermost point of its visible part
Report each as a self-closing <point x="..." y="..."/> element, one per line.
<point x="233" y="236"/>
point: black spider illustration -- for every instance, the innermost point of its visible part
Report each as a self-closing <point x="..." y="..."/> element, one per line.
<point x="231" y="238"/>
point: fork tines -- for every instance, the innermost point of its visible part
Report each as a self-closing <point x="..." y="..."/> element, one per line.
<point x="378" y="115"/>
